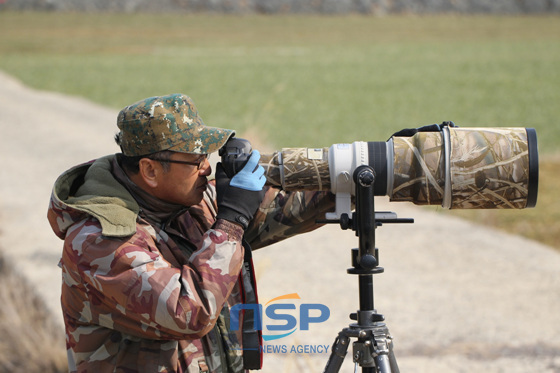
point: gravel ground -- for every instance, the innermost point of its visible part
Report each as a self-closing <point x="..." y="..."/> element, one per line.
<point x="457" y="297"/>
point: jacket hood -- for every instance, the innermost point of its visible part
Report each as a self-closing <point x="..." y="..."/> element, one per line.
<point x="88" y="190"/>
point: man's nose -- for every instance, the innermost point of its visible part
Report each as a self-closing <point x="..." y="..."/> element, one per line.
<point x="206" y="168"/>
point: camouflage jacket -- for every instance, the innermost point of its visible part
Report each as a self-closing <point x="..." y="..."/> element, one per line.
<point x="139" y="297"/>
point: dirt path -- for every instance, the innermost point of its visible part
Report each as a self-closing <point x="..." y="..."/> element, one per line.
<point x="457" y="297"/>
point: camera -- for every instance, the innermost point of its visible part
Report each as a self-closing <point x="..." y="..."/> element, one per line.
<point x="234" y="155"/>
<point x="457" y="168"/>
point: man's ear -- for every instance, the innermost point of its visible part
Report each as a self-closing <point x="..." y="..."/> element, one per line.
<point x="149" y="171"/>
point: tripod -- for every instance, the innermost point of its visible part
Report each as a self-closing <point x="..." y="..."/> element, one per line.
<point x="373" y="350"/>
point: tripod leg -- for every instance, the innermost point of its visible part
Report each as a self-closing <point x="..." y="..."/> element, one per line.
<point x="338" y="353"/>
<point x="383" y="364"/>
<point x="392" y="358"/>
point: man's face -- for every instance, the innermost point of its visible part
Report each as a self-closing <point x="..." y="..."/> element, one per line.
<point x="184" y="184"/>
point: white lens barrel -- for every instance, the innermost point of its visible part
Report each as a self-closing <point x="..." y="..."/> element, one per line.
<point x="343" y="160"/>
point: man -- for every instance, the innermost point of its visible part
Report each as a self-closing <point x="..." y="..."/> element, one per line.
<point x="154" y="254"/>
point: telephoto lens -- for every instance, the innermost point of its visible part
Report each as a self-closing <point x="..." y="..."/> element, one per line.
<point x="459" y="168"/>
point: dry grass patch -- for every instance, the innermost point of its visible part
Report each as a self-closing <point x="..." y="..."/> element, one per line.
<point x="31" y="341"/>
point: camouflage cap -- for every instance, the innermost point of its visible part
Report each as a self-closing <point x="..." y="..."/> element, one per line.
<point x="167" y="123"/>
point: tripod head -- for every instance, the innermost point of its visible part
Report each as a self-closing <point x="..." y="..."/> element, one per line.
<point x="365" y="219"/>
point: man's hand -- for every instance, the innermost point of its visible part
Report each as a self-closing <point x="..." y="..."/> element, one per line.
<point x="240" y="196"/>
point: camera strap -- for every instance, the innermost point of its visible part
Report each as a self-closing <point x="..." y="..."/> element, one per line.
<point x="252" y="336"/>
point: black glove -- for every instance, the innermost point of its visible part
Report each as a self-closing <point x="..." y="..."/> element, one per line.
<point x="240" y="196"/>
<point x="431" y="128"/>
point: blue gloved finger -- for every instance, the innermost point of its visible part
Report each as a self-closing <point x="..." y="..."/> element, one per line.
<point x="259" y="174"/>
<point x="252" y="162"/>
<point x="251" y="177"/>
<point x="248" y="181"/>
<point x="259" y="171"/>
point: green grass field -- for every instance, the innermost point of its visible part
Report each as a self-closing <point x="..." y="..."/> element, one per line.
<point x="314" y="80"/>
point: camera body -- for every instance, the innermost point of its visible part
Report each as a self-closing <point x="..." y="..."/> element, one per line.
<point x="234" y="155"/>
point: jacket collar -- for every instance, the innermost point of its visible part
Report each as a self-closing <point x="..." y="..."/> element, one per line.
<point x="93" y="190"/>
<point x="153" y="209"/>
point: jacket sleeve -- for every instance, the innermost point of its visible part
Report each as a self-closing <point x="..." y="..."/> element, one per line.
<point x="128" y="285"/>
<point x="284" y="214"/>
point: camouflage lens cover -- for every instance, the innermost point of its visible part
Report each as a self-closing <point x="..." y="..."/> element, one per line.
<point x="489" y="168"/>
<point x="298" y="169"/>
